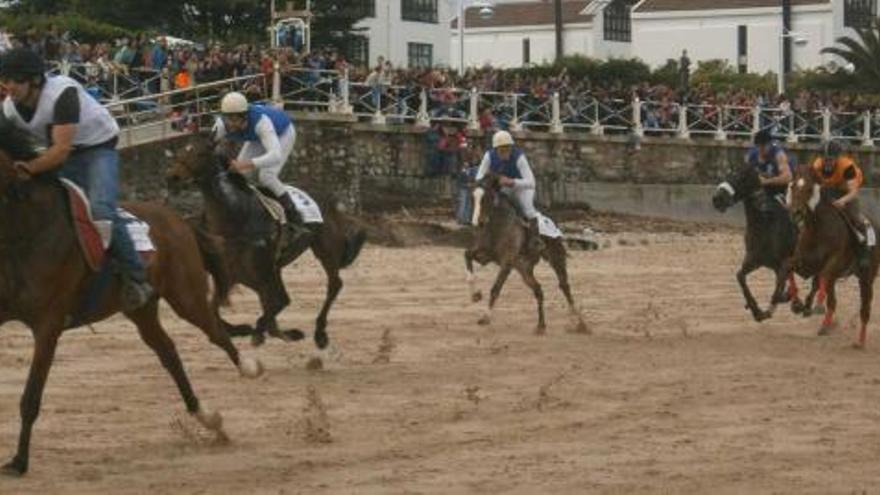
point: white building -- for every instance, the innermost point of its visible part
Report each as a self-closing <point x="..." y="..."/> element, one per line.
<point x="746" y="33"/>
<point x="410" y="33"/>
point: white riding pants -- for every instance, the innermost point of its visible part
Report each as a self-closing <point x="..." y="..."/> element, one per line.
<point x="268" y="176"/>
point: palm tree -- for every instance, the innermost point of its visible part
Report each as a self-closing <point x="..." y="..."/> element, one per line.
<point x="863" y="52"/>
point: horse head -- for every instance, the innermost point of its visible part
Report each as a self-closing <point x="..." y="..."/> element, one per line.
<point x="804" y="194"/>
<point x="15" y="145"/>
<point x="200" y="158"/>
<point x="485" y="193"/>
<point x="739" y="185"/>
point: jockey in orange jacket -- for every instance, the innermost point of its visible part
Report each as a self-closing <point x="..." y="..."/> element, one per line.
<point x="842" y="178"/>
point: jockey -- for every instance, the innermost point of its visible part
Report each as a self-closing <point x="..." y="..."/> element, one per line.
<point x="516" y="179"/>
<point x="268" y="135"/>
<point x="840" y="175"/>
<point x="80" y="136"/>
<point x="772" y="164"/>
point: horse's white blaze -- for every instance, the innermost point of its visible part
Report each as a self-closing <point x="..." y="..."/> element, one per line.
<point x="189" y="147"/>
<point x="478" y="197"/>
<point x="169" y="153"/>
<point x="814" y="199"/>
<point x="725" y="186"/>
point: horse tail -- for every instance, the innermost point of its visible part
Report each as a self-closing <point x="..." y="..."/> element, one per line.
<point x="353" y="245"/>
<point x="211" y="250"/>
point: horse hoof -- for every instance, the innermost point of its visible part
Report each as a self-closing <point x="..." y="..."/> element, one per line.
<point x="541" y="330"/>
<point x="858" y="346"/>
<point x="14" y="468"/>
<point x="321" y="340"/>
<point x="762" y="315"/>
<point x="258" y="339"/>
<point x="315" y="364"/>
<point x="291" y="335"/>
<point x="797" y="307"/>
<point x="819" y="310"/>
<point x="484" y="321"/>
<point x="582" y="328"/>
<point x="239" y="331"/>
<point x="251" y="368"/>
<point x="476" y="297"/>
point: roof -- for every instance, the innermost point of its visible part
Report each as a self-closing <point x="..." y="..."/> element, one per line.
<point x="531" y="13"/>
<point x="677" y="5"/>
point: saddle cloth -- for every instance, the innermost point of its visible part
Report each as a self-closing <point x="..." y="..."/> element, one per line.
<point x="94" y="236"/>
<point x="307" y="207"/>
<point x="547" y="227"/>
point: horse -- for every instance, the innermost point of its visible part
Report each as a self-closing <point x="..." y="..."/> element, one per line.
<point x="827" y="248"/>
<point x="500" y="237"/>
<point x="770" y="236"/>
<point x="255" y="245"/>
<point x="44" y="279"/>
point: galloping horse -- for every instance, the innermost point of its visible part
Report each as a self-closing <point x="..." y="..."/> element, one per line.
<point x="255" y="247"/>
<point x="44" y="277"/>
<point x="827" y="248"/>
<point x="770" y="235"/>
<point x="500" y="237"/>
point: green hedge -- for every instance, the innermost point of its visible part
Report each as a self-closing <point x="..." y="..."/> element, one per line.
<point x="81" y="28"/>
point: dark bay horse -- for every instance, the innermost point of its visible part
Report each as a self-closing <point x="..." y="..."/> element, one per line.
<point x="500" y="237"/>
<point x="770" y="236"/>
<point x="827" y="249"/>
<point x="255" y="245"/>
<point x="44" y="275"/>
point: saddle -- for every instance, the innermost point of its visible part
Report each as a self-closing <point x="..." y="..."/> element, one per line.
<point x="308" y="208"/>
<point x="94" y="236"/>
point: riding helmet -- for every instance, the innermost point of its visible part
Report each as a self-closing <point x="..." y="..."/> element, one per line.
<point x="21" y="63"/>
<point x="234" y="102"/>
<point x="763" y="137"/>
<point x="832" y="149"/>
<point x="502" y="138"/>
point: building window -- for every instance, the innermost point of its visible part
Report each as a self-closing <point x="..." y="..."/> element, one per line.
<point x="527" y="51"/>
<point x="618" y="23"/>
<point x="421" y="55"/>
<point x="859" y="13"/>
<point x="359" y="51"/>
<point x="742" y="48"/>
<point x="364" y="8"/>
<point x="419" y="10"/>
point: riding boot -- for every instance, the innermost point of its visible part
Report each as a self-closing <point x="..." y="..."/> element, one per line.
<point x="136" y="290"/>
<point x="536" y="244"/>
<point x="868" y="240"/>
<point x="301" y="236"/>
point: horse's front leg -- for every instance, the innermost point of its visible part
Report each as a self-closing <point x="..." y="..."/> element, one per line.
<point x="748" y="266"/>
<point x="475" y="294"/>
<point x="495" y="293"/>
<point x="46" y="341"/>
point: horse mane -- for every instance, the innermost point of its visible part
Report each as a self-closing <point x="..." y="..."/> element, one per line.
<point x="15" y="142"/>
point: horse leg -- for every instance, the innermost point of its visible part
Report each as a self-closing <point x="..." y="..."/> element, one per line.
<point x="45" y="344"/>
<point x="866" y="295"/>
<point x="152" y="333"/>
<point x="528" y="275"/>
<point x="808" y="309"/>
<point x="496" y="291"/>
<point x="831" y="304"/>
<point x="476" y="295"/>
<point x="273" y="299"/>
<point x="199" y="313"/>
<point x="556" y="257"/>
<point x="334" y="287"/>
<point x="748" y="267"/>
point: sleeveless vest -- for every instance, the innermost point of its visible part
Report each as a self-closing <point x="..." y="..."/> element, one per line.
<point x="507" y="168"/>
<point x="837" y="180"/>
<point x="280" y="122"/>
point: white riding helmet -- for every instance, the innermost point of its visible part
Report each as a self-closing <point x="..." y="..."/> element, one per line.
<point x="502" y="138"/>
<point x="234" y="102"/>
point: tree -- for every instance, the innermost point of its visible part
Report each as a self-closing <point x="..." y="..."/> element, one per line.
<point x="334" y="23"/>
<point x="863" y="52"/>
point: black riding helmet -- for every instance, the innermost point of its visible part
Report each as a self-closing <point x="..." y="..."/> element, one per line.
<point x="20" y="64"/>
<point x="831" y="152"/>
<point x="763" y="137"/>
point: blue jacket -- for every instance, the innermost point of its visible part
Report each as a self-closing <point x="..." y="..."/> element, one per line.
<point x="280" y="121"/>
<point x="507" y="168"/>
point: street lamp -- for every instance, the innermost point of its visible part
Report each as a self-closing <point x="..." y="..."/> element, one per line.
<point x="486" y="12"/>
<point x="799" y="39"/>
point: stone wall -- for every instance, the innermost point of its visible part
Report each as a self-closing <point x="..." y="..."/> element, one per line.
<point x="342" y="156"/>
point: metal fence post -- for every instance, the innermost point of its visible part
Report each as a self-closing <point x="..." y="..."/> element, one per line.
<point x="276" y="85"/>
<point x="638" y="130"/>
<point x="597" y="129"/>
<point x="514" y="124"/>
<point x="756" y="120"/>
<point x="556" y="125"/>
<point x="378" y="117"/>
<point x="345" y="94"/>
<point x="683" y="132"/>
<point x="826" y="124"/>
<point x="422" y="118"/>
<point x="792" y="135"/>
<point x="720" y="135"/>
<point x="867" y="139"/>
<point x="473" y="117"/>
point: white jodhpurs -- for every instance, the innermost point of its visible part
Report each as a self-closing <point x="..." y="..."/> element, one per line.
<point x="268" y="176"/>
<point x="525" y="198"/>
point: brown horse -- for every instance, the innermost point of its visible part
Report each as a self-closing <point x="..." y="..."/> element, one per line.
<point x="500" y="237"/>
<point x="827" y="248"/>
<point x="44" y="276"/>
<point x="255" y="245"/>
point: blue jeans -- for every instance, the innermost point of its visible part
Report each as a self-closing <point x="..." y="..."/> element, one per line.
<point x="96" y="171"/>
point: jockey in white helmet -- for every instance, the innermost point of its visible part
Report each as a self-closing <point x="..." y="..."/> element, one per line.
<point x="516" y="178"/>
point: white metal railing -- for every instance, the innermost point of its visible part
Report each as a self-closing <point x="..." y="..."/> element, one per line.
<point x="333" y="92"/>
